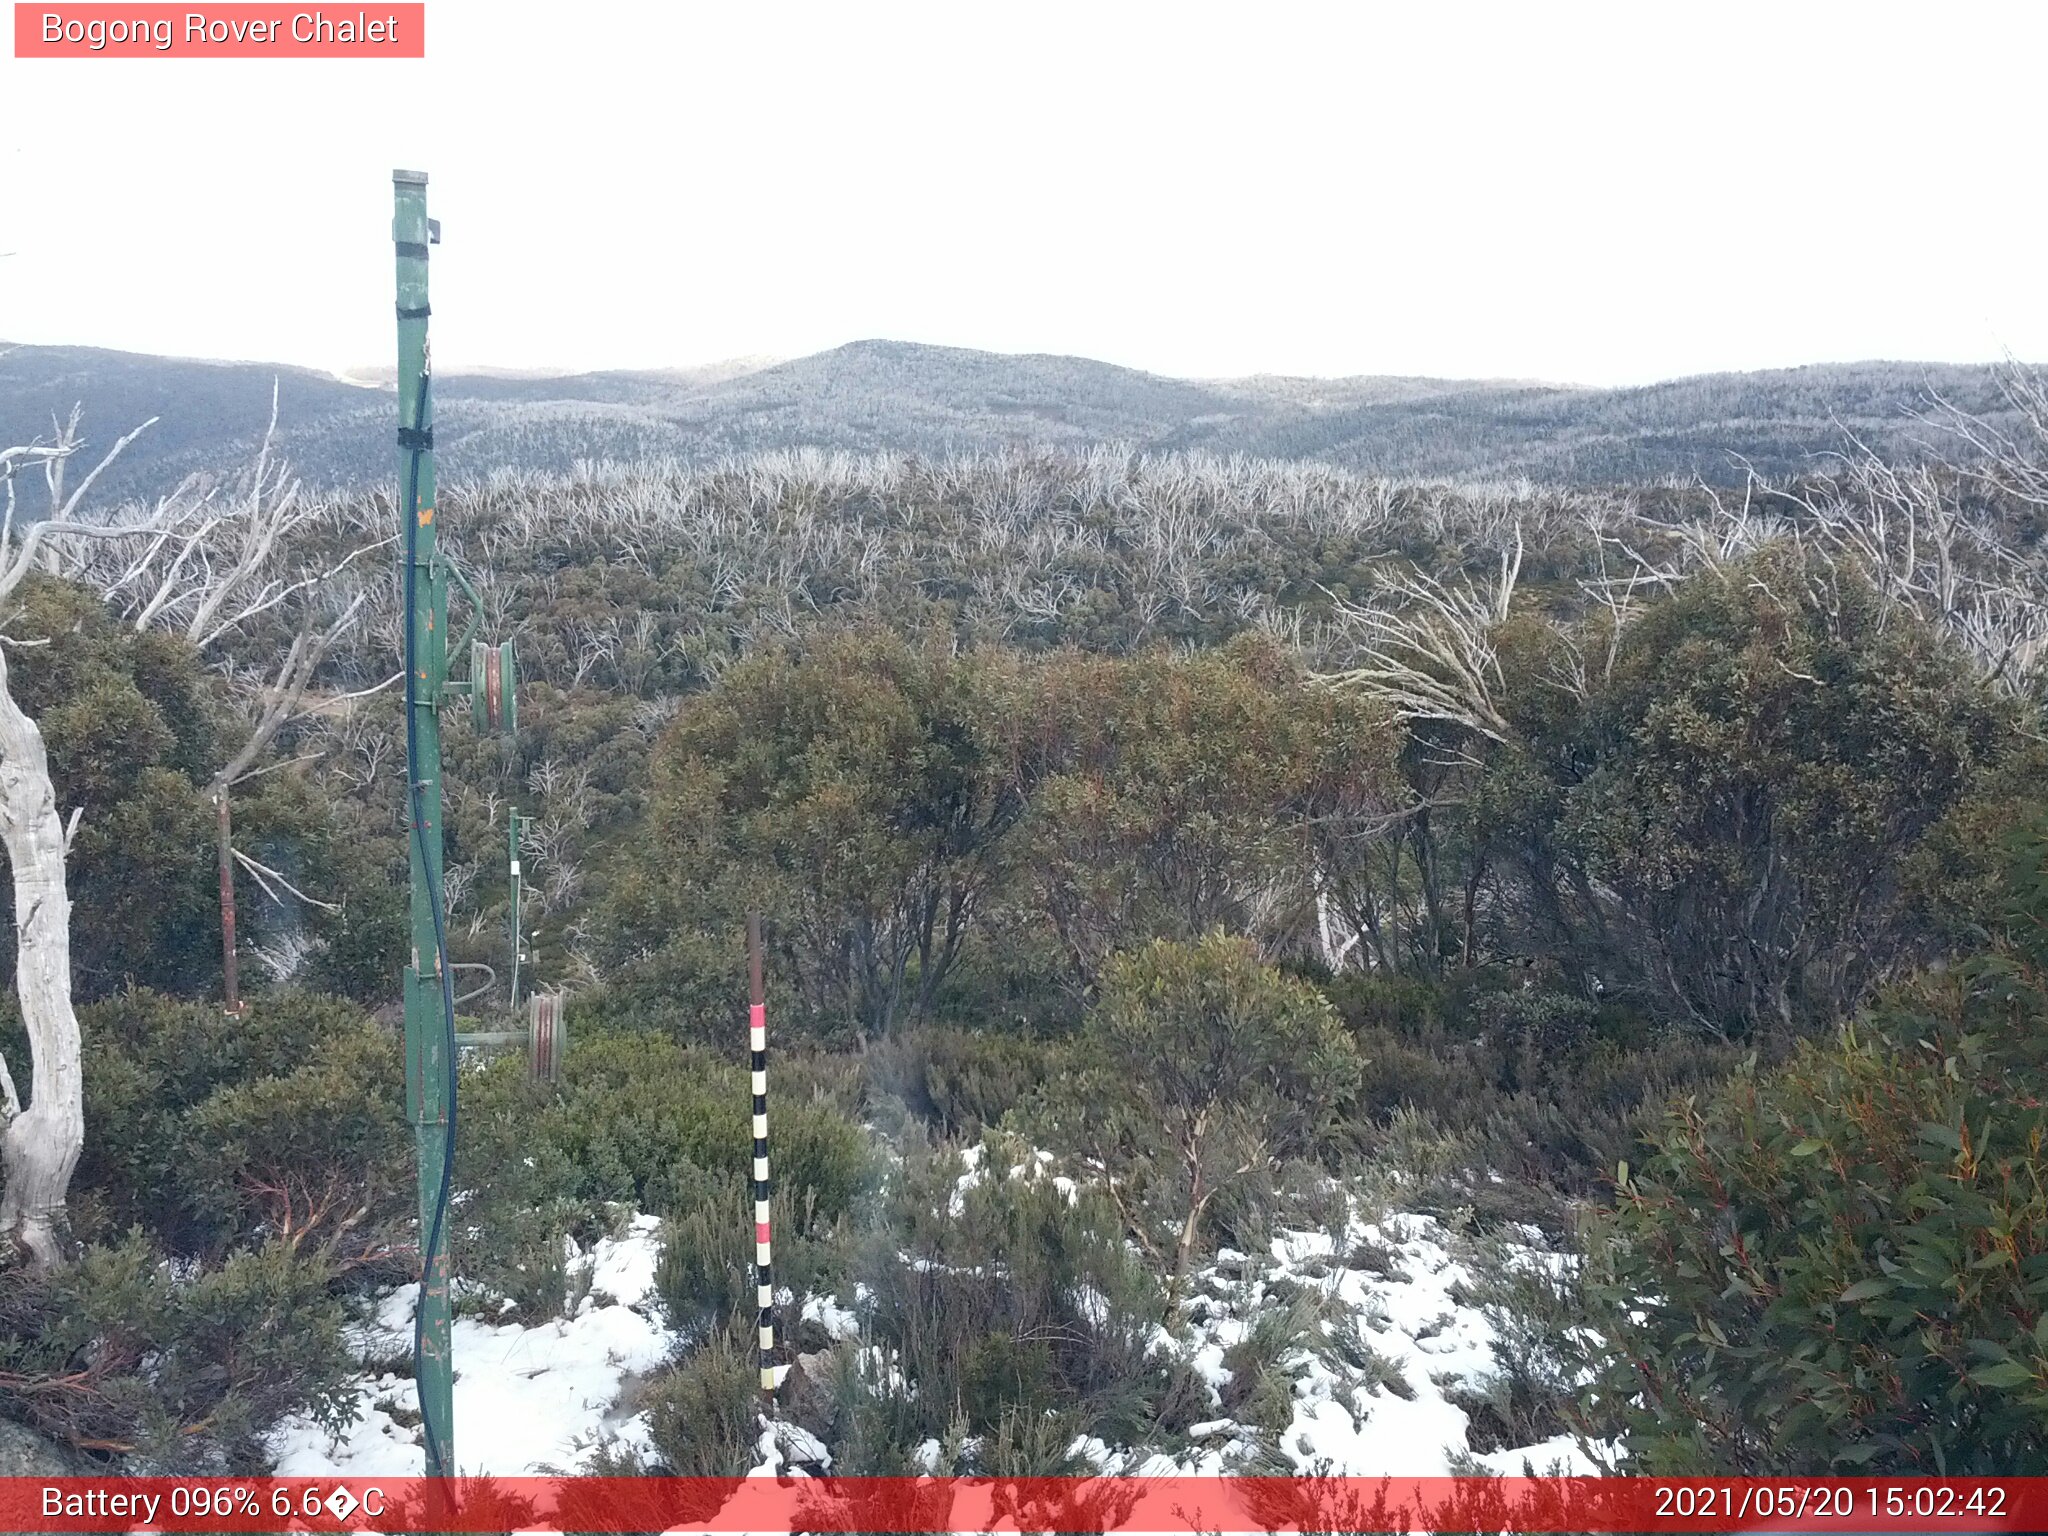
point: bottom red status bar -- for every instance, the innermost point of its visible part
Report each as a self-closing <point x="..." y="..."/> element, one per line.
<point x="1222" y="1505"/>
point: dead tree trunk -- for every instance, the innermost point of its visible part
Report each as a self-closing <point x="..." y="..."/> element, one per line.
<point x="40" y="1145"/>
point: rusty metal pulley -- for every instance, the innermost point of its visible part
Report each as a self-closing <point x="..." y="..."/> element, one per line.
<point x="545" y="1038"/>
<point x="547" y="1035"/>
<point x="493" y="689"/>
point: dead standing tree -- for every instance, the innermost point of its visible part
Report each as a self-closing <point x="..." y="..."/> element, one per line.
<point x="40" y="1141"/>
<point x="213" y="570"/>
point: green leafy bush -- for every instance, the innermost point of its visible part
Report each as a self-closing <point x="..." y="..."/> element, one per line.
<point x="1541" y="1088"/>
<point x="1843" y="1264"/>
<point x="638" y="1121"/>
<point x="1260" y="1392"/>
<point x="704" y="1278"/>
<point x="1771" y="745"/>
<point x="318" y="1153"/>
<point x="1007" y="1294"/>
<point x="853" y="791"/>
<point x="1200" y="1065"/>
<point x="184" y="1371"/>
<point x="200" y="1129"/>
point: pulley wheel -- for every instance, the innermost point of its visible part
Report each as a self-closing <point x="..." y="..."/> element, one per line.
<point x="546" y="1036"/>
<point x="482" y="660"/>
<point x="508" y="690"/>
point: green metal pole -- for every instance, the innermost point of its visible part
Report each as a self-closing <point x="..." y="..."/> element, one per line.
<point x="428" y="1068"/>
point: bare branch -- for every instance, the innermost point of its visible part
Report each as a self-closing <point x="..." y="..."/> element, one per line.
<point x="1426" y="650"/>
<point x="264" y="875"/>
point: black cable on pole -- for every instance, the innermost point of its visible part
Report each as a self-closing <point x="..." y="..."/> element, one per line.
<point x="416" y="444"/>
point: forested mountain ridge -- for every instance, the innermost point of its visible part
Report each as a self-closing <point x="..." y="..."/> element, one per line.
<point x="898" y="397"/>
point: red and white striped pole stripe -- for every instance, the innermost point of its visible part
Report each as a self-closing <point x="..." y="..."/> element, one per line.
<point x="757" y="1043"/>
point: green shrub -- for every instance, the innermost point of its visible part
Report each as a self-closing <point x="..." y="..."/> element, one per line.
<point x="1746" y="784"/>
<point x="1547" y="1089"/>
<point x="1006" y="1295"/>
<point x="1538" y="1309"/>
<point x="704" y="1278"/>
<point x="1348" y="1342"/>
<point x="1250" y="1212"/>
<point x="1000" y="1371"/>
<point x="129" y="723"/>
<point x="1531" y="1029"/>
<point x="689" y="987"/>
<point x="319" y="1153"/>
<point x="1842" y="1264"/>
<point x="1199" y="1065"/>
<point x="959" y="1080"/>
<point x="704" y="1415"/>
<point x="525" y="1191"/>
<point x="636" y="1118"/>
<point x="1260" y="1392"/>
<point x="517" y="1254"/>
<point x="1391" y="1003"/>
<point x="1033" y="1442"/>
<point x="641" y="1122"/>
<point x="705" y="1275"/>
<point x="116" y="1353"/>
<point x="188" y="1111"/>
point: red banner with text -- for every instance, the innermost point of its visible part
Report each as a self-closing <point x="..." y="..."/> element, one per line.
<point x="1206" y="1504"/>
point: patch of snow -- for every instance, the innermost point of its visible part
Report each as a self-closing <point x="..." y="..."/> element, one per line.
<point x="1564" y="1449"/>
<point x="623" y="1268"/>
<point x="782" y="1446"/>
<point x="1092" y="1305"/>
<point x="1344" y="1421"/>
<point x="770" y="1453"/>
<point x="1095" y="1451"/>
<point x="837" y="1321"/>
<point x="526" y="1399"/>
<point x="799" y="1444"/>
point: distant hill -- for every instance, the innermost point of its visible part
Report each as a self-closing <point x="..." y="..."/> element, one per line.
<point x="899" y="397"/>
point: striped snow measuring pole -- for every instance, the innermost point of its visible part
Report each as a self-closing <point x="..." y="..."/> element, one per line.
<point x="757" y="1043"/>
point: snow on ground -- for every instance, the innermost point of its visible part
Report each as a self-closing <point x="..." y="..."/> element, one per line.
<point x="971" y="1160"/>
<point x="1347" y="1420"/>
<point x="837" y="1321"/>
<point x="526" y="1399"/>
<point x="529" y="1399"/>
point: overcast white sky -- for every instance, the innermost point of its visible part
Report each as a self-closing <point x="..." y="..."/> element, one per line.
<point x="1589" y="193"/>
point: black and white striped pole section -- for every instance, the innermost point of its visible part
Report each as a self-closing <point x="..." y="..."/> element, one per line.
<point x="757" y="1043"/>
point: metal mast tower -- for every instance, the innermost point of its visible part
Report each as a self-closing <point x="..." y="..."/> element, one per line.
<point x="429" y="999"/>
<point x="431" y="1043"/>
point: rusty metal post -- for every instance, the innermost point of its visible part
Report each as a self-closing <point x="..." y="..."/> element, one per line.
<point x="227" y="905"/>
